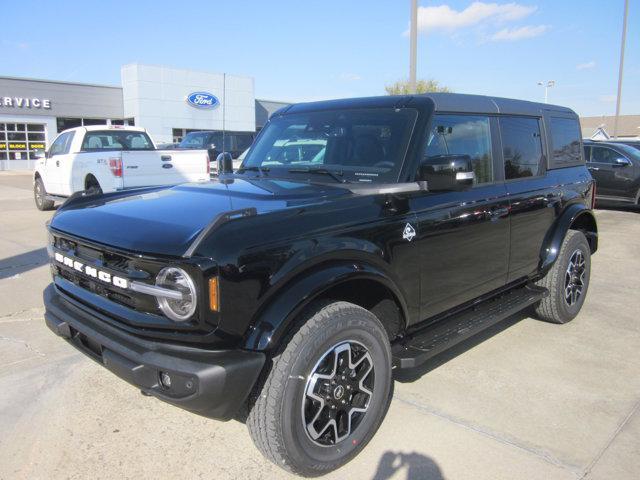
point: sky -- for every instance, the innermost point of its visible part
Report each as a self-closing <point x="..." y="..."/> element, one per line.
<point x="309" y="50"/>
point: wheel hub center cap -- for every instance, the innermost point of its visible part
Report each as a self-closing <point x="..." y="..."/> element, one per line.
<point x="338" y="392"/>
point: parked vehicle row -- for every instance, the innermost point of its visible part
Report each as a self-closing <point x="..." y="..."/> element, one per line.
<point x="358" y="236"/>
<point x="100" y="159"/>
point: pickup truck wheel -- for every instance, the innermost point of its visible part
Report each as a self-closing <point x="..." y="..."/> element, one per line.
<point x="326" y="393"/>
<point x="93" y="188"/>
<point x="567" y="281"/>
<point x="40" y="196"/>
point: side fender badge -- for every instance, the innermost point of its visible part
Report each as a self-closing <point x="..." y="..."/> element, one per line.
<point x="409" y="232"/>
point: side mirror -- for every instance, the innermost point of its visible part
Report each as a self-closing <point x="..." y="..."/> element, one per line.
<point x="212" y="146"/>
<point x="447" y="172"/>
<point x="621" y="162"/>
<point x="225" y="163"/>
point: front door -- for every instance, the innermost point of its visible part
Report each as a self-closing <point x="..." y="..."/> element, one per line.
<point x="56" y="175"/>
<point x="463" y="236"/>
<point x="612" y="178"/>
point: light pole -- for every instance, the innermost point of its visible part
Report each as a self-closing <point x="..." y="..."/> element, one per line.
<point x="413" y="50"/>
<point x="547" y="85"/>
<point x="624" y="38"/>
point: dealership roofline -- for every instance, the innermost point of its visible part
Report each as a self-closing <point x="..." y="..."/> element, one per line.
<point x="60" y="82"/>
<point x="102" y="85"/>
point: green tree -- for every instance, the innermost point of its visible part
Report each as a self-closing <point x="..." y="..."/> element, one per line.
<point x="401" y="87"/>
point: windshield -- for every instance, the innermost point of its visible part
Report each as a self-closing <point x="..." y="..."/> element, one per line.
<point x="629" y="151"/>
<point x="197" y="140"/>
<point x="366" y="145"/>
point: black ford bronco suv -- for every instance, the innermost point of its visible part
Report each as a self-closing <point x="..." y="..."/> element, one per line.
<point x="358" y="236"/>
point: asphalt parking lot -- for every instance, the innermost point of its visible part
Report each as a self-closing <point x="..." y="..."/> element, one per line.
<point x="533" y="400"/>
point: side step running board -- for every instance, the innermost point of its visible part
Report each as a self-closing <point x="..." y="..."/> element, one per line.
<point x="412" y="351"/>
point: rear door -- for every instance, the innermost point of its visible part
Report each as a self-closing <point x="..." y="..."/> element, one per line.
<point x="612" y="179"/>
<point x="533" y="194"/>
<point x="463" y="237"/>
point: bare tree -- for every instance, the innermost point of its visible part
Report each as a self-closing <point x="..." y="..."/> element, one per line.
<point x="403" y="87"/>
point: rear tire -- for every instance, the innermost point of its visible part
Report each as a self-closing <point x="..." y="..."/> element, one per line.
<point x="337" y="366"/>
<point x="40" y="196"/>
<point x="567" y="281"/>
<point x="92" y="187"/>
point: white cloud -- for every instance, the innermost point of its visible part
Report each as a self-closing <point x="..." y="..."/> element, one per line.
<point x="512" y="34"/>
<point x="349" y="77"/>
<point x="586" y="66"/>
<point x="443" y="17"/>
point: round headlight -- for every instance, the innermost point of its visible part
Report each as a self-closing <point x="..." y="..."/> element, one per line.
<point x="177" y="279"/>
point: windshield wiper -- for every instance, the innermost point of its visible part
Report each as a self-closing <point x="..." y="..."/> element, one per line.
<point x="335" y="174"/>
<point x="260" y="170"/>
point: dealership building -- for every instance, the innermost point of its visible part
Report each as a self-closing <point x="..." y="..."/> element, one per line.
<point x="168" y="102"/>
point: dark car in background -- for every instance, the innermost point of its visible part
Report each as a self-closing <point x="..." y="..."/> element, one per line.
<point x="211" y="140"/>
<point x="632" y="143"/>
<point x="615" y="167"/>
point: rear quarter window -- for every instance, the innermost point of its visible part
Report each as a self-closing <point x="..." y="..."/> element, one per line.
<point x="565" y="143"/>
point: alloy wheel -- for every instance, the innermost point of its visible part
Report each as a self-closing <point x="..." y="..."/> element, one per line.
<point x="574" y="278"/>
<point x="338" y="393"/>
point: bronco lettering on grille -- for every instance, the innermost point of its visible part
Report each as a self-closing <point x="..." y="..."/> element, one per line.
<point x="91" y="271"/>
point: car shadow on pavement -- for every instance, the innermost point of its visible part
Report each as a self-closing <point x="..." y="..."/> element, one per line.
<point x="411" y="374"/>
<point x="416" y="465"/>
<point x="23" y="262"/>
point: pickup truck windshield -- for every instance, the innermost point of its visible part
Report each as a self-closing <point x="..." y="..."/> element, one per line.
<point x="364" y="145"/>
<point x="116" y="140"/>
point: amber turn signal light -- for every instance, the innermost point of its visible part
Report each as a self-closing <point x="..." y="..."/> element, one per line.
<point x="214" y="300"/>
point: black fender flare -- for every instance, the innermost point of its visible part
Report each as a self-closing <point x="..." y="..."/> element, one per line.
<point x="274" y="320"/>
<point x="553" y="241"/>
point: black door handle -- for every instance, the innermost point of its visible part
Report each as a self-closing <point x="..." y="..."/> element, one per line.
<point x="57" y="163"/>
<point x="167" y="165"/>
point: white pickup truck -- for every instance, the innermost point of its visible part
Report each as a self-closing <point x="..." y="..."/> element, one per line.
<point x="101" y="159"/>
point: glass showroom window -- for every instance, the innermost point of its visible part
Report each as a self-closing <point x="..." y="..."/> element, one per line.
<point x="21" y="141"/>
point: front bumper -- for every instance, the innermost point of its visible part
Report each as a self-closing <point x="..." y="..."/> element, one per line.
<point x="210" y="383"/>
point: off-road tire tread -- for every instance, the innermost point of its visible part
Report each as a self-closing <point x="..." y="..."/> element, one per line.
<point x="263" y="418"/>
<point x="548" y="309"/>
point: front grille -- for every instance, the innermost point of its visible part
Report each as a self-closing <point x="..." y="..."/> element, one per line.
<point x="133" y="311"/>
<point x="99" y="289"/>
<point x="128" y="267"/>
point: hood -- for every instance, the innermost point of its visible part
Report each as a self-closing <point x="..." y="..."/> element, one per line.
<point x="165" y="221"/>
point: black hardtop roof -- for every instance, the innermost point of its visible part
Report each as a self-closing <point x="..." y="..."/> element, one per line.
<point x="444" y="102"/>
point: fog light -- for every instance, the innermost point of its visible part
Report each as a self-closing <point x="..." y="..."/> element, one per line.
<point x="165" y="379"/>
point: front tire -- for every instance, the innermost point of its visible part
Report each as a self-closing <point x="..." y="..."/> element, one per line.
<point x="567" y="281"/>
<point x="40" y="196"/>
<point x="326" y="393"/>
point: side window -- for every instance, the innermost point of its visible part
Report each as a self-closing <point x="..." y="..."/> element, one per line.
<point x="67" y="143"/>
<point x="59" y="146"/>
<point x="565" y="138"/>
<point x="587" y="154"/>
<point x="604" y="155"/>
<point x="521" y="147"/>
<point x="468" y="135"/>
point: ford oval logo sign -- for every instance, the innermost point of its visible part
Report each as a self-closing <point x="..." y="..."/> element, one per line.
<point x="202" y="100"/>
